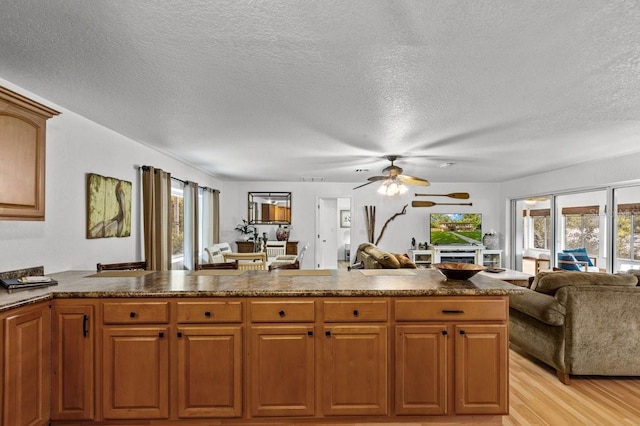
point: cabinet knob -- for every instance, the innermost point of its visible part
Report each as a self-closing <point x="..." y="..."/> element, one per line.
<point x="461" y="331"/>
<point x="207" y="314"/>
<point x="179" y="334"/>
<point x="310" y="333"/>
<point x="281" y="313"/>
<point x="355" y="313"/>
<point x="161" y="334"/>
<point x="132" y="314"/>
<point x="327" y="333"/>
<point x="444" y="332"/>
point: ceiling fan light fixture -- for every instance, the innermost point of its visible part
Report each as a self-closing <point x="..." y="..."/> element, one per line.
<point x="391" y="187"/>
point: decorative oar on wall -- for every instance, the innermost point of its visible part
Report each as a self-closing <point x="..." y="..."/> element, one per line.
<point x="457" y="195"/>
<point x="431" y="204"/>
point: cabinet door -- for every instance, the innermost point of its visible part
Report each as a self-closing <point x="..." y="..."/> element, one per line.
<point x="282" y="371"/>
<point x="209" y="371"/>
<point x="355" y="360"/>
<point x="481" y="365"/>
<point x="135" y="373"/>
<point x="421" y="369"/>
<point x="72" y="365"/>
<point x="26" y="367"/>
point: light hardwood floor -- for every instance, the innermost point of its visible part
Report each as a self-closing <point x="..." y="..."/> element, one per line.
<point x="538" y="398"/>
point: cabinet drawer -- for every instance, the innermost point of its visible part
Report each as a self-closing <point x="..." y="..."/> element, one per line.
<point x="209" y="312"/>
<point x="451" y="309"/>
<point x="136" y="312"/>
<point x="282" y="311"/>
<point x="355" y="311"/>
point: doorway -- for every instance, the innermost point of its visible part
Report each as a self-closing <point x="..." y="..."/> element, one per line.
<point x="333" y="234"/>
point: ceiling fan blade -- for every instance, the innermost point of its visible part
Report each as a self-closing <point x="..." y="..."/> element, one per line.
<point x="412" y="180"/>
<point x="377" y="178"/>
<point x="364" y="184"/>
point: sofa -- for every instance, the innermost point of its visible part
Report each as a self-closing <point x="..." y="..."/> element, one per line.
<point x="579" y="323"/>
<point x="369" y="256"/>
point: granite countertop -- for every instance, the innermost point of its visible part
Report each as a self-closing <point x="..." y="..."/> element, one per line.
<point x="283" y="283"/>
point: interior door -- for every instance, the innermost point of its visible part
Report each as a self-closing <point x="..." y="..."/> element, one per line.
<point x="326" y="238"/>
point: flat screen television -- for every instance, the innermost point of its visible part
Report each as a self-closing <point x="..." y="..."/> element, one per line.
<point x="455" y="228"/>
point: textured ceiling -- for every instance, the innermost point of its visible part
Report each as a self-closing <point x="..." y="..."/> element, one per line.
<point x="280" y="90"/>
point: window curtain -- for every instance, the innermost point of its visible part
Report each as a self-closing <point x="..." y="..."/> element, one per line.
<point x="191" y="228"/>
<point x="209" y="219"/>
<point x="156" y="201"/>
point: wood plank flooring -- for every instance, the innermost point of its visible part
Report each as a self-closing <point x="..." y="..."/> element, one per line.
<point x="538" y="398"/>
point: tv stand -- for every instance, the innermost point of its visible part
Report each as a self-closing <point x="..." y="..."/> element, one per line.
<point x="456" y="254"/>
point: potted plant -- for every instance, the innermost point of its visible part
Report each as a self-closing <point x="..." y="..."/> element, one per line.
<point x="246" y="230"/>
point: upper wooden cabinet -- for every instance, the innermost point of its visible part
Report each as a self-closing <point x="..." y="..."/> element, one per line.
<point x="22" y="156"/>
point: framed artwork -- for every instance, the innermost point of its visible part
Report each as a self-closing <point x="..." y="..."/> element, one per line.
<point x="108" y="207"/>
<point x="345" y="218"/>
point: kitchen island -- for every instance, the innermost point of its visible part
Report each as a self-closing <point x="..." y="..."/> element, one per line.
<point x="256" y="347"/>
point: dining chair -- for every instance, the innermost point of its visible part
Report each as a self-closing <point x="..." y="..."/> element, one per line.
<point x="248" y="261"/>
<point x="123" y="266"/>
<point x="276" y="248"/>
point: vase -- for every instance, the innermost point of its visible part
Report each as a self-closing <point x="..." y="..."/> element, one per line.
<point x="280" y="233"/>
<point x="490" y="241"/>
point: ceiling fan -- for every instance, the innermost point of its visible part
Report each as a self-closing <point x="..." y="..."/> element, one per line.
<point x="393" y="179"/>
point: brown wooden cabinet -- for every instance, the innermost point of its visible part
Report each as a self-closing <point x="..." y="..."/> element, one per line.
<point x="73" y="331"/>
<point x="481" y="360"/>
<point x="454" y="359"/>
<point x="248" y="247"/>
<point x="171" y="359"/>
<point x="26" y="369"/>
<point x="355" y="357"/>
<point x="209" y="359"/>
<point x="282" y="370"/>
<point x="421" y="369"/>
<point x="135" y="360"/>
<point x="282" y="358"/>
<point x="22" y="162"/>
<point x="355" y="365"/>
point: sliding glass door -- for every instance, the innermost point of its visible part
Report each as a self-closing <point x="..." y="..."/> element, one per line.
<point x="626" y="228"/>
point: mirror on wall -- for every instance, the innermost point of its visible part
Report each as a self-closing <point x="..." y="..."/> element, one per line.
<point x="269" y="208"/>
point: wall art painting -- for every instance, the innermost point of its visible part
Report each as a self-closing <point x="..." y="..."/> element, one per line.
<point x="108" y="207"/>
<point x="345" y="218"/>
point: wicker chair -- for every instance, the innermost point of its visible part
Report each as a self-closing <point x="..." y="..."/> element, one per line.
<point x="248" y="261"/>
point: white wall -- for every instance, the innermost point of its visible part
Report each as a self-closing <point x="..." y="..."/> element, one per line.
<point x="397" y="237"/>
<point x="77" y="146"/>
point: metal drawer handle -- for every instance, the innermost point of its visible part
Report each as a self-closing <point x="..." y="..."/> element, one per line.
<point x="207" y="314"/>
<point x="132" y="314"/>
<point x="355" y="313"/>
<point x="281" y="313"/>
<point x="452" y="311"/>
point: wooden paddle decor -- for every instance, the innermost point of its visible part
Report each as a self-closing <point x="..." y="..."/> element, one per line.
<point x="458" y="195"/>
<point x="431" y="204"/>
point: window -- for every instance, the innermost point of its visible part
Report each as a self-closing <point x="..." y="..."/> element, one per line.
<point x="177" y="225"/>
<point x="541" y="226"/>
<point x="582" y="228"/>
<point x="627" y="228"/>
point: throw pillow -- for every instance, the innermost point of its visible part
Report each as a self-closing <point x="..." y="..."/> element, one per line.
<point x="568" y="257"/>
<point x="549" y="282"/>
<point x="580" y="254"/>
<point x="404" y="260"/>
<point x="385" y="259"/>
<point x="216" y="256"/>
